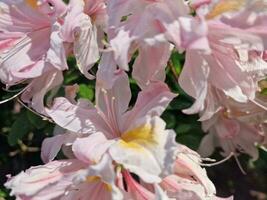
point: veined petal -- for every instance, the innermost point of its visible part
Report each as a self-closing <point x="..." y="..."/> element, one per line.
<point x="106" y="73"/>
<point x="75" y="118"/>
<point x="45" y="182"/>
<point x="51" y="146"/>
<point x="119" y="95"/>
<point x="39" y="87"/>
<point x="187" y="164"/>
<point x="194" y="80"/>
<point x="91" y="149"/>
<point x="151" y="101"/>
<point x="150" y="65"/>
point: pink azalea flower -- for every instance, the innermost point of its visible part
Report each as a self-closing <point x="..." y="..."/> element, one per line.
<point x="235" y="63"/>
<point x="65" y="180"/>
<point x="135" y="138"/>
<point x="30" y="42"/>
<point x="232" y="135"/>
<point x="189" y="181"/>
<point x="150" y="27"/>
<point x="234" y="126"/>
<point x="31" y="48"/>
<point x="78" y="178"/>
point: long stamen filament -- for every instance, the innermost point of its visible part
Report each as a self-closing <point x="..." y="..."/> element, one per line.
<point x="219" y="162"/>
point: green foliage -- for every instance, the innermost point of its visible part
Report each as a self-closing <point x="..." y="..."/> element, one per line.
<point x="19" y="129"/>
<point x="86" y="91"/>
<point x="35" y="120"/>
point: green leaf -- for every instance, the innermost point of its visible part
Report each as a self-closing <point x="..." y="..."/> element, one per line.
<point x="19" y="129"/>
<point x="170" y="119"/>
<point x="180" y="103"/>
<point x="86" y="92"/>
<point x="71" y="77"/>
<point x="264" y="91"/>
<point x="36" y="120"/>
<point x="3" y="194"/>
<point x="184" y="128"/>
<point x="191" y="141"/>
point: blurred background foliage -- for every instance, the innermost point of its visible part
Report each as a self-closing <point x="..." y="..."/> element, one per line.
<point x="22" y="133"/>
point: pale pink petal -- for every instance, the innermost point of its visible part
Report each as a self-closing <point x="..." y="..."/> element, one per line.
<point x="152" y="101"/>
<point x="181" y="188"/>
<point x="193" y="80"/>
<point x="115" y="99"/>
<point x="188" y="164"/>
<point x="150" y="65"/>
<point x="106" y="73"/>
<point x="51" y="146"/>
<point x="39" y="87"/>
<point x="44" y="182"/>
<point x="79" y="30"/>
<point x="76" y="119"/>
<point x="92" y="148"/>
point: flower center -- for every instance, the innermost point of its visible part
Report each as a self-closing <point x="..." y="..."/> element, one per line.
<point x="91" y="179"/>
<point x="138" y="137"/>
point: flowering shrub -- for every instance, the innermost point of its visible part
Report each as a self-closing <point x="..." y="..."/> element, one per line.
<point x="112" y="139"/>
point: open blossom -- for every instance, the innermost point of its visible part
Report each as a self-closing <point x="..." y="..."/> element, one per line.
<point x="31" y="48"/>
<point x="236" y="128"/>
<point x="189" y="180"/>
<point x="236" y="60"/>
<point x="78" y="178"/>
<point x="134" y="138"/>
<point x="232" y="135"/>
<point x="30" y="42"/>
<point x="65" y="180"/>
<point x="150" y="27"/>
<point x="115" y="150"/>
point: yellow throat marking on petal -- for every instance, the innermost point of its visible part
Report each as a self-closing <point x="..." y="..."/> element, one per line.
<point x="225" y="6"/>
<point x="91" y="179"/>
<point x="136" y="138"/>
<point x="32" y="3"/>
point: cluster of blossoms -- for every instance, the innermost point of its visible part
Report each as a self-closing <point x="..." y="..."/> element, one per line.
<point x="114" y="151"/>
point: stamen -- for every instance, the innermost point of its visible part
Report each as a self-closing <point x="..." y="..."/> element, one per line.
<point x="103" y="115"/>
<point x="111" y="111"/>
<point x="208" y="159"/>
<point x="219" y="162"/>
<point x="258" y="104"/>
<point x="239" y="165"/>
<point x="105" y="119"/>
<point x="114" y="116"/>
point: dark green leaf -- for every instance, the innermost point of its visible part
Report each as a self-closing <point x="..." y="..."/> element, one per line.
<point x="19" y="129"/>
<point x="36" y="120"/>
